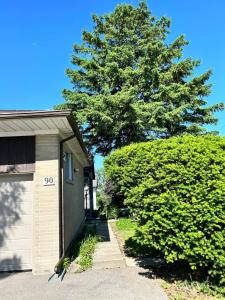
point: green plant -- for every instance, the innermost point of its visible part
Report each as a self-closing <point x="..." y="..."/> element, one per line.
<point x="83" y="249"/>
<point x="66" y="263"/>
<point x="86" y="251"/>
<point x="175" y="189"/>
<point x="105" y="203"/>
<point x="103" y="197"/>
<point x="125" y="228"/>
<point x="112" y="212"/>
<point x="85" y="246"/>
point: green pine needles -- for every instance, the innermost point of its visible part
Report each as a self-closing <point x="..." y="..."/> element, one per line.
<point x="131" y="85"/>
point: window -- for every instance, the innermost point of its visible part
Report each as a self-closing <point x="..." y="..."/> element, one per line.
<point x="68" y="167"/>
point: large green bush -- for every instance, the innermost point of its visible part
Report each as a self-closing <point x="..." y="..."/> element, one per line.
<point x="175" y="189"/>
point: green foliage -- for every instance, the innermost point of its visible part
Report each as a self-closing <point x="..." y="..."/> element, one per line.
<point x="105" y="206"/>
<point x="131" y="85"/>
<point x="66" y="263"/>
<point x="103" y="198"/>
<point x="175" y="189"/>
<point x="105" y="203"/>
<point x="126" y="229"/>
<point x="83" y="249"/>
<point x="112" y="212"/>
<point x="87" y="248"/>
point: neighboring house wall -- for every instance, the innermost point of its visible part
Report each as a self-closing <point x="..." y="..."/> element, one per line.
<point x="73" y="194"/>
<point x="46" y="205"/>
<point x="95" y="194"/>
<point x="88" y="190"/>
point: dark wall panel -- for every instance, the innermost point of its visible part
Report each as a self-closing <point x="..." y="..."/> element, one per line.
<point x="17" y="154"/>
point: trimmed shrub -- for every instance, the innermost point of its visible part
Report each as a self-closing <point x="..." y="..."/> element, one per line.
<point x="175" y="189"/>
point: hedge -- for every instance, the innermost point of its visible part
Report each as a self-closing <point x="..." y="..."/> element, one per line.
<point x="175" y="189"/>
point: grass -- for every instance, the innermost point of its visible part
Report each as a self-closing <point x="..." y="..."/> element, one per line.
<point x="83" y="250"/>
<point x="175" y="279"/>
<point x="187" y="290"/>
<point x="126" y="228"/>
<point x="180" y="284"/>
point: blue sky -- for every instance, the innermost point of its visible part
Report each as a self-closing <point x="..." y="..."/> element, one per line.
<point x="36" y="39"/>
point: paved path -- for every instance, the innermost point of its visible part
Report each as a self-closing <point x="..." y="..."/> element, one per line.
<point x="107" y="254"/>
<point x="110" y="279"/>
<point x="110" y="284"/>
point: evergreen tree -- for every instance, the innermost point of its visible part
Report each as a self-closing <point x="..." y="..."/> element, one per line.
<point x="131" y="85"/>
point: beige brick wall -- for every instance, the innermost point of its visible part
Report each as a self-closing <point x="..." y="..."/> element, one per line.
<point x="46" y="205"/>
<point x="73" y="194"/>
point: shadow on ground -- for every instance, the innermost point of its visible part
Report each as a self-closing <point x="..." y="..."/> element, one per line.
<point x="103" y="231"/>
<point x="156" y="267"/>
<point x="180" y="271"/>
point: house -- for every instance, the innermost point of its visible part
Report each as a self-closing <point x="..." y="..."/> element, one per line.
<point x="95" y="185"/>
<point x="42" y="158"/>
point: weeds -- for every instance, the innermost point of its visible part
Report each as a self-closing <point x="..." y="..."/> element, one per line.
<point x="83" y="250"/>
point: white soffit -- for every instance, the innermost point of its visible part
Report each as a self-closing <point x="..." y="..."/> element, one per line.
<point x="76" y="149"/>
<point x="35" y="126"/>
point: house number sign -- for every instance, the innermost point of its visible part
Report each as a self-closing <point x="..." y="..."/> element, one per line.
<point x="48" y="180"/>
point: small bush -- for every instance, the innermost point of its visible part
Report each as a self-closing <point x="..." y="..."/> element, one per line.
<point x="175" y="189"/>
<point x="112" y="212"/>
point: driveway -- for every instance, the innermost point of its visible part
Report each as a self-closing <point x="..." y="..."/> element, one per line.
<point x="128" y="283"/>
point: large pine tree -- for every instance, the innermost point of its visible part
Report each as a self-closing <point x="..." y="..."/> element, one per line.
<point x="131" y="85"/>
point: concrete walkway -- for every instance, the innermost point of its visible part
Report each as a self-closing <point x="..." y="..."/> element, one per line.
<point x="107" y="254"/>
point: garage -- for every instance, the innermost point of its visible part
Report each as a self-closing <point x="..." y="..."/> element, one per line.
<point x="41" y="193"/>
<point x="16" y="222"/>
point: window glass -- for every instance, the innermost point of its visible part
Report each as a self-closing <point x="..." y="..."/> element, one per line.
<point x="68" y="167"/>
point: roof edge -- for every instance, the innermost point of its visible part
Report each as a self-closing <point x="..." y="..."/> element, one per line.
<point x="78" y="135"/>
<point x="16" y="114"/>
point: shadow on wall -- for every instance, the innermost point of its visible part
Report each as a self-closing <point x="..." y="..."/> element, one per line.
<point x="10" y="214"/>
